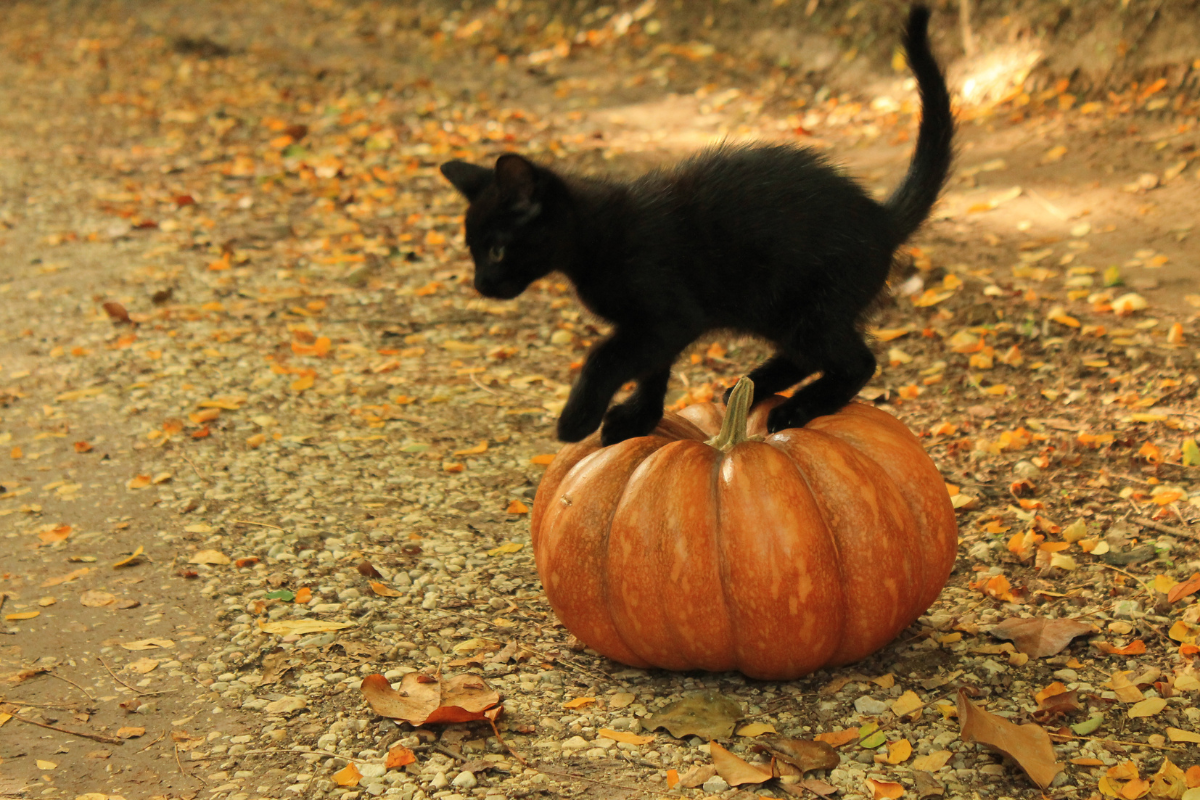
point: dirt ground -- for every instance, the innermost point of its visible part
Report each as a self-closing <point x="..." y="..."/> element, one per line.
<point x="292" y="376"/>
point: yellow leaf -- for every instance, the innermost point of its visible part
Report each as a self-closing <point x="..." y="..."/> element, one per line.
<point x="292" y="627"/>
<point x="138" y="482"/>
<point x="148" y="644"/>
<point x="131" y="558"/>
<point x="299" y="385"/>
<point x="209" y="557"/>
<point x="1179" y="735"/>
<point x="906" y="704"/>
<point x="756" y="729"/>
<point x="507" y="547"/>
<point x="899" y="751"/>
<point x="1148" y="707"/>
<point x="46" y="764"/>
<point x="20" y="615"/>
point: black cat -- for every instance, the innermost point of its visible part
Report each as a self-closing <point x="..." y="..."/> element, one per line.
<point x="762" y="239"/>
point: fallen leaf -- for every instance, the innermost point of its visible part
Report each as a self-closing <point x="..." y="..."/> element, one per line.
<point x="142" y="665"/>
<point x="1147" y="708"/>
<point x="1029" y="745"/>
<point x="209" y="557"/>
<point x="755" y="729"/>
<point x="579" y="702"/>
<point x="422" y="700"/>
<point x="838" y="738"/>
<point x="399" y="756"/>
<point x="130" y="732"/>
<point x="147" y="644"/>
<point x="1040" y="637"/>
<point x="95" y="599"/>
<point x="907" y="703"/>
<point x="297" y="627"/>
<point x="884" y="790"/>
<point x="734" y="770"/>
<point x="383" y="590"/>
<point x="22" y="615"/>
<point x="932" y="762"/>
<point x="898" y="752"/>
<point x="347" y="775"/>
<point x="803" y="754"/>
<point x="131" y="559"/>
<point x="508" y="547"/>
<point x="624" y="736"/>
<point x="708" y="715"/>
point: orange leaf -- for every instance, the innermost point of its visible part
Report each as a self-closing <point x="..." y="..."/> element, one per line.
<point x="383" y="590"/>
<point x="838" y="738"/>
<point x="300" y="384"/>
<point x="303" y="594"/>
<point x="673" y="777"/>
<point x="1135" y="648"/>
<point x="1185" y="589"/>
<point x="579" y="702"/>
<point x="399" y="756"/>
<point x="82" y="447"/>
<point x="517" y="507"/>
<point x="138" y="482"/>
<point x="347" y="776"/>
<point x="884" y="790"/>
<point x="473" y="451"/>
<point x="543" y="460"/>
<point x="423" y="700"/>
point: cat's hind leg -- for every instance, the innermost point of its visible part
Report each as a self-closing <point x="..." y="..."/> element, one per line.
<point x="846" y="363"/>
<point x="640" y="412"/>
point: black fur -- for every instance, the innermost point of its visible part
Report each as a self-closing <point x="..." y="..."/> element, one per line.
<point x="763" y="239"/>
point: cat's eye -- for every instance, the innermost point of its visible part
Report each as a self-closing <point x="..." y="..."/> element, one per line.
<point x="496" y="254"/>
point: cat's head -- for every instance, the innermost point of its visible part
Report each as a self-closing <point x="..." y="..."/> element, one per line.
<point x="510" y="233"/>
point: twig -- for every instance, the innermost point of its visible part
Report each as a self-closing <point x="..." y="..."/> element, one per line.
<point x="196" y="470"/>
<point x="1145" y="585"/>
<point x="94" y="736"/>
<point x="161" y="736"/>
<point x="259" y="524"/>
<point x="1158" y="526"/>
<point x="448" y="752"/>
<point x="506" y="745"/>
<point x="55" y="706"/>
<point x="635" y="789"/>
<point x="73" y="683"/>
<point x="187" y="774"/>
<point x="123" y="683"/>
<point x="1114" y="741"/>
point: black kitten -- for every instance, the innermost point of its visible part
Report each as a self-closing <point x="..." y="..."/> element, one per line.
<point x="763" y="239"/>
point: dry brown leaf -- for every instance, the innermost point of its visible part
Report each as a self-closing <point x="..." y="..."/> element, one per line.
<point x="709" y="715"/>
<point x="1040" y="637"/>
<point x="142" y="665"/>
<point x="96" y="599"/>
<point x="803" y="754"/>
<point x="423" y="700"/>
<point x="147" y="644"/>
<point x="734" y="770"/>
<point x="932" y="762"/>
<point x="70" y="576"/>
<point x="130" y="732"/>
<point x="1028" y="745"/>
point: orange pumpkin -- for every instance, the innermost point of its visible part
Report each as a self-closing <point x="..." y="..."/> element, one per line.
<point x="775" y="555"/>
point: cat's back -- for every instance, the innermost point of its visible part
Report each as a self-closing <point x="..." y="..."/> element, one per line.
<point x="760" y="179"/>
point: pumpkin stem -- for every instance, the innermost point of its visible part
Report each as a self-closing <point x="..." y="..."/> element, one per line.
<point x="733" y="428"/>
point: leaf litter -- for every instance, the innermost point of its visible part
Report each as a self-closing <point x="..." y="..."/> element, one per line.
<point x="1078" y="394"/>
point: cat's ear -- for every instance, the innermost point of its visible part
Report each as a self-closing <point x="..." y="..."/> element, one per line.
<point x="467" y="178"/>
<point x="517" y="177"/>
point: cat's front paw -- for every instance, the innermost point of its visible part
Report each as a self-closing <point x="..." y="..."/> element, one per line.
<point x="575" y="426"/>
<point x="625" y="421"/>
<point x="788" y="415"/>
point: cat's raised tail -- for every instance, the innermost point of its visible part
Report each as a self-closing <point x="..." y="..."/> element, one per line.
<point x="912" y="201"/>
